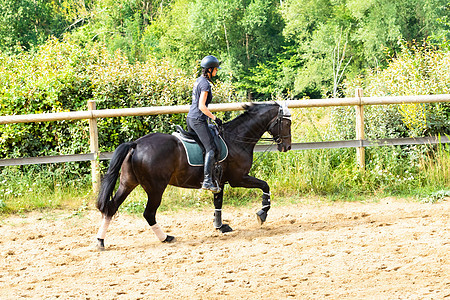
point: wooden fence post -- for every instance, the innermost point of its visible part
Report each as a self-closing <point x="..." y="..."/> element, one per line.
<point x="93" y="139"/>
<point x="360" y="153"/>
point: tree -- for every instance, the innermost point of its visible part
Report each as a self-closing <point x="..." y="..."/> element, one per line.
<point x="418" y="69"/>
<point x="117" y="24"/>
<point x="373" y="27"/>
<point x="240" y="32"/>
<point x="25" y="23"/>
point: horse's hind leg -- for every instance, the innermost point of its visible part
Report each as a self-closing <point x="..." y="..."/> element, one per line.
<point x="154" y="200"/>
<point x="127" y="183"/>
<point x="120" y="196"/>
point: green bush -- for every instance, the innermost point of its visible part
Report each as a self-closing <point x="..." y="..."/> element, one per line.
<point x="414" y="170"/>
<point x="62" y="76"/>
<point x="417" y="70"/>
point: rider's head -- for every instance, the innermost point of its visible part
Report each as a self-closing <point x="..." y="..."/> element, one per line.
<point x="208" y="64"/>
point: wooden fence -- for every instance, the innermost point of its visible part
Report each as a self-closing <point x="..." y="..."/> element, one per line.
<point x="92" y="114"/>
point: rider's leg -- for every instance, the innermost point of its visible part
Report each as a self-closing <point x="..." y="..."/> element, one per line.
<point x="206" y="138"/>
<point x="208" y="183"/>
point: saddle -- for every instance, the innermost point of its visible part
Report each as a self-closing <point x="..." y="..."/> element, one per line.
<point x="195" y="151"/>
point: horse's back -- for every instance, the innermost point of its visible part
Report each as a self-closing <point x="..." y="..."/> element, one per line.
<point x="160" y="156"/>
<point x="156" y="148"/>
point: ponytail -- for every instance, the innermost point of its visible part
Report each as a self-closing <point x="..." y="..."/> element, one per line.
<point x="206" y="71"/>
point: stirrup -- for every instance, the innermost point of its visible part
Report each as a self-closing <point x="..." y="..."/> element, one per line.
<point x="211" y="187"/>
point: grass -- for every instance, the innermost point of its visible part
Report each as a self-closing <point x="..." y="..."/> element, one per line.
<point x="44" y="199"/>
<point x="328" y="174"/>
<point x="37" y="188"/>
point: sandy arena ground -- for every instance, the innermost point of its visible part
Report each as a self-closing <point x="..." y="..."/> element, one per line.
<point x="387" y="250"/>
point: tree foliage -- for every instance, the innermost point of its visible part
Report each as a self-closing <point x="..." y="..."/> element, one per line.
<point x="25" y="23"/>
<point x="240" y="32"/>
<point x="371" y="29"/>
<point x="267" y="47"/>
<point x="145" y="52"/>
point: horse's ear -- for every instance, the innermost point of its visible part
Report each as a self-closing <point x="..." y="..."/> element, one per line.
<point x="248" y="106"/>
<point x="286" y="111"/>
<point x="284" y="107"/>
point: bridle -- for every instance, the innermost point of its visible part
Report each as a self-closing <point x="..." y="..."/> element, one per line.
<point x="283" y="113"/>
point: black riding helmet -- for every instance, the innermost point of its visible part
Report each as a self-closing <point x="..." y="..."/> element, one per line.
<point x="210" y="62"/>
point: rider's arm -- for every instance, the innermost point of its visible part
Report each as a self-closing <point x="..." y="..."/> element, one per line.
<point x="202" y="105"/>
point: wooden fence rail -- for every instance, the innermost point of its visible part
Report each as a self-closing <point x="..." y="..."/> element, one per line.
<point x="92" y="114"/>
<point x="157" y="110"/>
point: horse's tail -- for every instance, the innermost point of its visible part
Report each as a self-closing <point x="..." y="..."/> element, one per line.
<point x="104" y="199"/>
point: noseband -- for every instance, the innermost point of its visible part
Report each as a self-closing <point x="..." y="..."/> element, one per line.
<point x="283" y="113"/>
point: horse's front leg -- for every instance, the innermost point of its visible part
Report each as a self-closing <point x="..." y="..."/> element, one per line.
<point x="252" y="182"/>
<point x="261" y="215"/>
<point x="218" y="201"/>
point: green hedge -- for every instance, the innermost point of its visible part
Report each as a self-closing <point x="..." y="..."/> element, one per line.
<point x="63" y="76"/>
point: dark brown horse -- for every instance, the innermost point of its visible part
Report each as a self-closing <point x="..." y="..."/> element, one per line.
<point x="157" y="160"/>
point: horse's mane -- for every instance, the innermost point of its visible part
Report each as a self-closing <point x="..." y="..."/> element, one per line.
<point x="252" y="111"/>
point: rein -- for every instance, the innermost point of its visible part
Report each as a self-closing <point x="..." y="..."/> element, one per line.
<point x="263" y="154"/>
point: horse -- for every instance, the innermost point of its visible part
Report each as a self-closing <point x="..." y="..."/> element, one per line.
<point x="157" y="160"/>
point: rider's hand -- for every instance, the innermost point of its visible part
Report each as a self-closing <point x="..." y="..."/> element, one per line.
<point x="218" y="121"/>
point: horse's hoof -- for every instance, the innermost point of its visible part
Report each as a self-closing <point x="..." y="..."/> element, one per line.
<point x="225" y="228"/>
<point x="261" y="216"/>
<point x="169" y="239"/>
<point x="100" y="244"/>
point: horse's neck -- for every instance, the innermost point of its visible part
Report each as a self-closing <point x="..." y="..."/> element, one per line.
<point x="255" y="131"/>
<point x="250" y="132"/>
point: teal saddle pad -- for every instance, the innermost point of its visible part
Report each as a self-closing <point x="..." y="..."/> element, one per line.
<point x="194" y="152"/>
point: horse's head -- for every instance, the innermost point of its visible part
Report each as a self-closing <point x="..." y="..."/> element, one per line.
<point x="258" y="118"/>
<point x="280" y="128"/>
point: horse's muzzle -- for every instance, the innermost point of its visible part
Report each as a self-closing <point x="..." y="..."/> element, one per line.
<point x="284" y="148"/>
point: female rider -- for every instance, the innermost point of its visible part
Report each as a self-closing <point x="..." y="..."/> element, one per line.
<point x="197" y="118"/>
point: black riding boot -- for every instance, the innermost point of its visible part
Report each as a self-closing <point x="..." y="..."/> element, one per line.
<point x="208" y="183"/>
